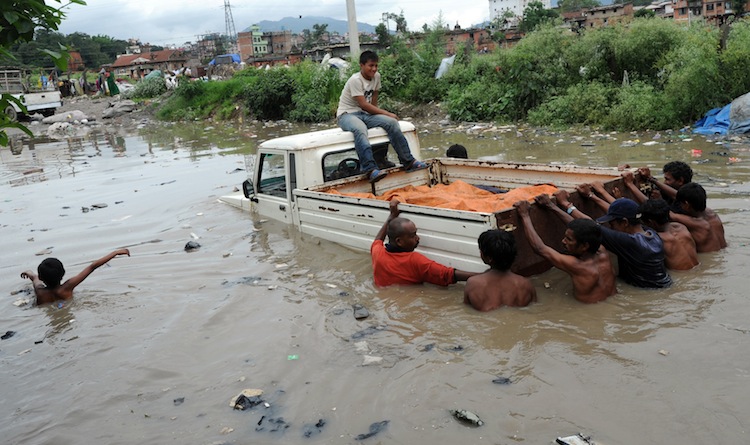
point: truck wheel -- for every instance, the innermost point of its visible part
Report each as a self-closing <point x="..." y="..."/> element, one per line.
<point x="11" y="113"/>
<point x="48" y="112"/>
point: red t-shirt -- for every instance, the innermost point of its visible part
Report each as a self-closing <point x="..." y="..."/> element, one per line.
<point x="407" y="268"/>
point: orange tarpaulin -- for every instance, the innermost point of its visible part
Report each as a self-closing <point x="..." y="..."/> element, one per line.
<point x="458" y="196"/>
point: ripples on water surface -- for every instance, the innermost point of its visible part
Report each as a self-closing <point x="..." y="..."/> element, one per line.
<point x="165" y="324"/>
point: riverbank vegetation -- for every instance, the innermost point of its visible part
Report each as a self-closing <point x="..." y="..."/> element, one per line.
<point x="646" y="74"/>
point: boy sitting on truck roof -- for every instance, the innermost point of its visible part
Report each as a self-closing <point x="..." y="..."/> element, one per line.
<point x="397" y="263"/>
<point x="498" y="286"/>
<point x="358" y="110"/>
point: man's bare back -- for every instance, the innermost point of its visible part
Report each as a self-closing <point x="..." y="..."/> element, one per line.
<point x="680" y="252"/>
<point x="592" y="273"/>
<point x="593" y="276"/>
<point x="706" y="229"/>
<point x="493" y="289"/>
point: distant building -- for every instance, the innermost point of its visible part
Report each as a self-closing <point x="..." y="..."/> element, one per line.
<point x="711" y="10"/>
<point x="479" y="39"/>
<point x="208" y="46"/>
<point x="75" y="61"/>
<point x="498" y="7"/>
<point x="607" y="15"/>
<point x="279" y="42"/>
<point x="138" y="65"/>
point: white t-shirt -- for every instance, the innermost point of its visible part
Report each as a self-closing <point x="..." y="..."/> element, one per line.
<point x="357" y="86"/>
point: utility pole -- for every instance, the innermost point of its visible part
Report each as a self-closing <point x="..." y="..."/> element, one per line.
<point x="351" y="16"/>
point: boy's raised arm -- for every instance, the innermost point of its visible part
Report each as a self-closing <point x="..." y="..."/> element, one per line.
<point x="70" y="284"/>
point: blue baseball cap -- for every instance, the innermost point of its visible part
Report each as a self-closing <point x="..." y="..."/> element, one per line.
<point x="619" y="209"/>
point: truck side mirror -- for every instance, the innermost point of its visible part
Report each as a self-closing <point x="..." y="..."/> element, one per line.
<point x="247" y="188"/>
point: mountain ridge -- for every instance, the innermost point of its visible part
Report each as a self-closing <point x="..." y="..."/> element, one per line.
<point x="298" y="24"/>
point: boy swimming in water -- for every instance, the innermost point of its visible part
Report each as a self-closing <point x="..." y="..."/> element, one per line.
<point x="47" y="285"/>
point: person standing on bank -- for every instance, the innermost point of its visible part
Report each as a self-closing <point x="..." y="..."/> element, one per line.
<point x="358" y="110"/>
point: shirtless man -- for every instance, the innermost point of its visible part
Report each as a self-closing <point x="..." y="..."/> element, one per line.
<point x="679" y="247"/>
<point x="47" y="285"/>
<point x="676" y="174"/>
<point x="498" y="286"/>
<point x="703" y="223"/>
<point x="587" y="262"/>
<point x="639" y="250"/>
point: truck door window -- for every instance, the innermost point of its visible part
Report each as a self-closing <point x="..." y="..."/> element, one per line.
<point x="340" y="164"/>
<point x="272" y="179"/>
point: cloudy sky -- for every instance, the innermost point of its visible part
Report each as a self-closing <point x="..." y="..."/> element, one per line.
<point x="163" y="22"/>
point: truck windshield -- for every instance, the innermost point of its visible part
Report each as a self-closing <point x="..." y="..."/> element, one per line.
<point x="272" y="179"/>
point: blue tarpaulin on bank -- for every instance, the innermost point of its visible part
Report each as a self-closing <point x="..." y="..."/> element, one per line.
<point x="729" y="119"/>
<point x="226" y="58"/>
<point x="716" y="121"/>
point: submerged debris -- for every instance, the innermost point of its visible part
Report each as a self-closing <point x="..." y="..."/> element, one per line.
<point x="360" y="312"/>
<point x="467" y="417"/>
<point x="368" y="331"/>
<point x="248" y="398"/>
<point x="375" y="428"/>
<point x="192" y="245"/>
<point x="310" y="430"/>
<point x="577" y="439"/>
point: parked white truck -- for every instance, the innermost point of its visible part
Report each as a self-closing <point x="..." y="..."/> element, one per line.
<point x="304" y="180"/>
<point x="15" y="82"/>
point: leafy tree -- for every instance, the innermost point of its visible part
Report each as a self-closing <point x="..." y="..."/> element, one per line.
<point x="319" y="30"/>
<point x="111" y="47"/>
<point x="400" y="21"/>
<point x="18" y="20"/>
<point x="534" y="15"/>
<point x="384" y="37"/>
<point x="644" y="13"/>
<point x="577" y="5"/>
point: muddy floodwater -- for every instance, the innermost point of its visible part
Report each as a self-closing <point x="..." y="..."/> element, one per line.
<point x="154" y="346"/>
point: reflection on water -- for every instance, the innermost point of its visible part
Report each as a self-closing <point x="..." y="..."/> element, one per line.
<point x="260" y="305"/>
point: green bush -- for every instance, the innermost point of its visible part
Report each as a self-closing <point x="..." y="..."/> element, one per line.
<point x="642" y="45"/>
<point x="270" y="96"/>
<point x="691" y="74"/>
<point x="639" y="106"/>
<point x="147" y="89"/>
<point x="735" y="60"/>
<point x="479" y="102"/>
<point x="200" y="100"/>
<point x="581" y="104"/>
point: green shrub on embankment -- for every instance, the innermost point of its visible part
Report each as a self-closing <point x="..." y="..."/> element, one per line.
<point x="646" y="74"/>
<point x="302" y="93"/>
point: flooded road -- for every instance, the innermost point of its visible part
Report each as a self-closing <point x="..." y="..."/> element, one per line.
<point x="153" y="347"/>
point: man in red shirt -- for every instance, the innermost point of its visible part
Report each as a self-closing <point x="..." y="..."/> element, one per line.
<point x="397" y="263"/>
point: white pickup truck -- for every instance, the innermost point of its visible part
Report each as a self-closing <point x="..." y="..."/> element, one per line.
<point x="292" y="178"/>
<point x="14" y="81"/>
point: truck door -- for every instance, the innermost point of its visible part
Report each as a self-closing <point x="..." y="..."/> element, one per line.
<point x="274" y="191"/>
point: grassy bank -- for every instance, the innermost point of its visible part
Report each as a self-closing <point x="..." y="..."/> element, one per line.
<point x="647" y="74"/>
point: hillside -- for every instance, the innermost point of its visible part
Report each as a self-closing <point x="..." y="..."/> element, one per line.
<point x="297" y="24"/>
